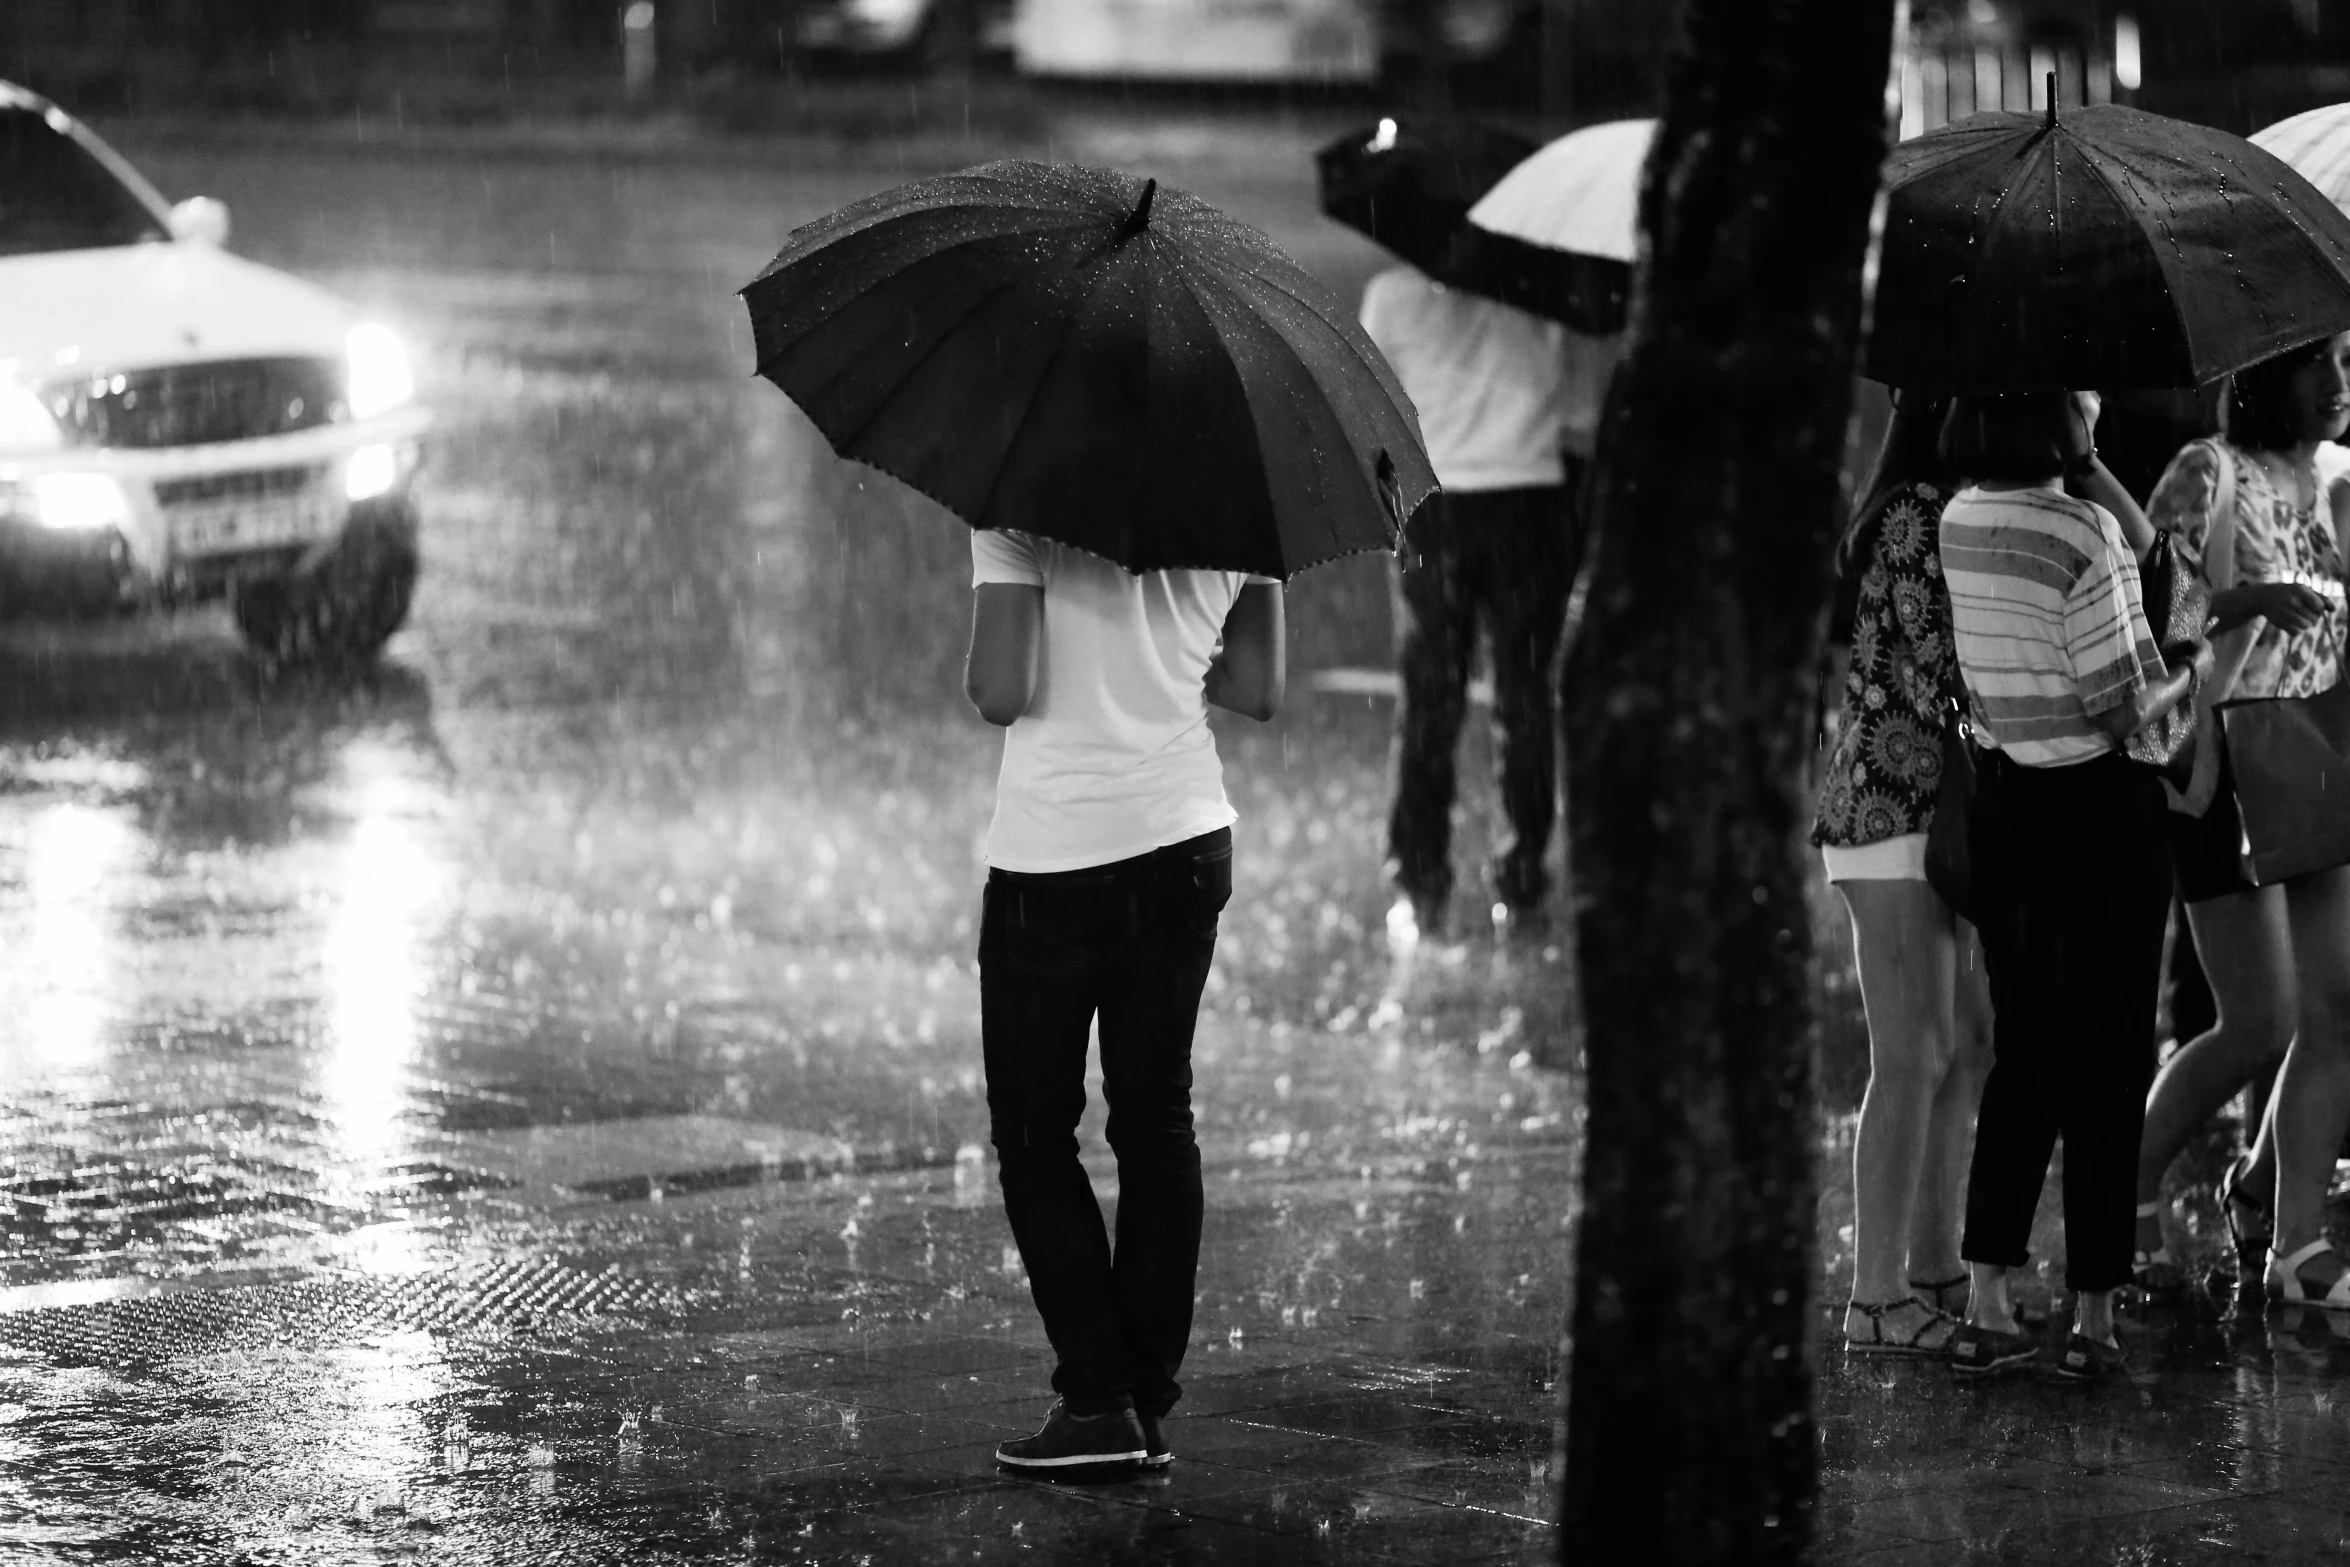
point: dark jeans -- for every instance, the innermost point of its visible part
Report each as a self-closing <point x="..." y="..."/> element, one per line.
<point x="1505" y="556"/>
<point x="2072" y="882"/>
<point x="1129" y="943"/>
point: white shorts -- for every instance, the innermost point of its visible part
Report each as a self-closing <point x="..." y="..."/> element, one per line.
<point x="1888" y="859"/>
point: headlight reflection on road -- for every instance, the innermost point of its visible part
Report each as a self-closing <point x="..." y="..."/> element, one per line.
<point x="387" y="879"/>
<point x="74" y="856"/>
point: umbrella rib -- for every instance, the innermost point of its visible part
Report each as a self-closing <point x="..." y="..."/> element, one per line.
<point x="1374" y="362"/>
<point x="2139" y="217"/>
<point x="1035" y="387"/>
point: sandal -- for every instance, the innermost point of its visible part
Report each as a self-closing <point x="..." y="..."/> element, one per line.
<point x="1927" y="1341"/>
<point x="2089" y="1360"/>
<point x="1979" y="1351"/>
<point x="2249" y="1227"/>
<point x="1938" y="1293"/>
<point x="2286" y="1284"/>
<point x="2153" y="1270"/>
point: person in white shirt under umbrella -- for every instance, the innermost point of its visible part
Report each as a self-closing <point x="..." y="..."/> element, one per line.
<point x="1149" y="416"/>
<point x="1505" y="407"/>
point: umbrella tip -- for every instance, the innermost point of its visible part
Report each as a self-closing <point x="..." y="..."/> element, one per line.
<point x="2051" y="100"/>
<point x="1140" y="218"/>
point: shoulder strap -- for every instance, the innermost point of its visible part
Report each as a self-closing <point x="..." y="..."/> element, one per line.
<point x="2219" y="545"/>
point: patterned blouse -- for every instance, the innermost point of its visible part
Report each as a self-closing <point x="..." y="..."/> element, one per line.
<point x="1885" y="763"/>
<point x="2275" y="542"/>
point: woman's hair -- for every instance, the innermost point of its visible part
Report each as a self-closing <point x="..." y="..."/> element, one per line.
<point x="2261" y="414"/>
<point x="2013" y="437"/>
<point x="1911" y="454"/>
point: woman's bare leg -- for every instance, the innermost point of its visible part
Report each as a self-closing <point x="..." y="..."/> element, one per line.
<point x="2245" y="943"/>
<point x="1905" y="944"/>
<point x="1938" y="1213"/>
<point x="2313" y="1088"/>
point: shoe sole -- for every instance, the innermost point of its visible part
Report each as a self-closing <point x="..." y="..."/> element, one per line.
<point x="1891" y="1351"/>
<point x="1074" y="1461"/>
<point x="2008" y="1362"/>
<point x="1157" y="1460"/>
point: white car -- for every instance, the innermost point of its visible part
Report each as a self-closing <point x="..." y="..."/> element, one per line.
<point x="178" y="424"/>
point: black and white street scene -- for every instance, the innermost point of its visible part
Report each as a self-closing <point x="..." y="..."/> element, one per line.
<point x="1174" y="781"/>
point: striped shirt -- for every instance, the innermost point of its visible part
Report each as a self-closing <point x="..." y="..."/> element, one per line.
<point x="2045" y="605"/>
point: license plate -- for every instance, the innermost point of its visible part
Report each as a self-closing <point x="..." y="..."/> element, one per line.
<point x="227" y="526"/>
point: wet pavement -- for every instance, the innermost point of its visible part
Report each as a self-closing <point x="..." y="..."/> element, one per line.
<point x="521" y="1104"/>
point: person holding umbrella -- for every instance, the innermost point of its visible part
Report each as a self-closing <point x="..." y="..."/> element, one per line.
<point x="2070" y="859"/>
<point x="1149" y="416"/>
<point x="1920" y="967"/>
<point x="1509" y="404"/>
<point x="2278" y="956"/>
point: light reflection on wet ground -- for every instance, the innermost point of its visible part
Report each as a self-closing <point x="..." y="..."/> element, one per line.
<point x="522" y="1104"/>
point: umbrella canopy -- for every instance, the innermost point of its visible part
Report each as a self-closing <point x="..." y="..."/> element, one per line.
<point x="1557" y="234"/>
<point x="2111" y="249"/>
<point x="1580" y="194"/>
<point x="1082" y="355"/>
<point x="2317" y="145"/>
<point x="1409" y="183"/>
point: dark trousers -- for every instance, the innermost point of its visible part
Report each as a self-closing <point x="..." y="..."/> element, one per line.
<point x="1506" y="557"/>
<point x="2072" y="878"/>
<point x="1127" y="943"/>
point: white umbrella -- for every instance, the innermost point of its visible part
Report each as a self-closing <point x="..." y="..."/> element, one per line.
<point x="2317" y="145"/>
<point x="1579" y="194"/>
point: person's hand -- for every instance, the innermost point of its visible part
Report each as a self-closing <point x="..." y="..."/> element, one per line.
<point x="2203" y="658"/>
<point x="2080" y="445"/>
<point x="2289" y="606"/>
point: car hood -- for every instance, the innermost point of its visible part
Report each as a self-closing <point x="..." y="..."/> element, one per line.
<point x="131" y="306"/>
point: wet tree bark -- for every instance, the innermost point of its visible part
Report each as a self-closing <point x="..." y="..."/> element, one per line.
<point x="1717" y="498"/>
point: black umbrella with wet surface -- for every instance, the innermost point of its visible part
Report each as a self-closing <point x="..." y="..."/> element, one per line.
<point x="2103" y="248"/>
<point x="1084" y="355"/>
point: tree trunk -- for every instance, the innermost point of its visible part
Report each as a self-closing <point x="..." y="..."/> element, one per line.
<point x="1717" y="498"/>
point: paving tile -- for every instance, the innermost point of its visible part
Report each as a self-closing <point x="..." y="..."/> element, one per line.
<point x="1329" y="1513"/>
<point x="1502" y="1485"/>
<point x="2256" y="1529"/>
<point x="1366" y="1415"/>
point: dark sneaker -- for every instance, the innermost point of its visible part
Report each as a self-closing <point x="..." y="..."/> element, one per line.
<point x="1157" y="1454"/>
<point x="2088" y="1360"/>
<point x="1078" y="1441"/>
<point x="1977" y="1351"/>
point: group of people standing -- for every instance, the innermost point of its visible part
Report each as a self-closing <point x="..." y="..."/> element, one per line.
<point x="1993" y="571"/>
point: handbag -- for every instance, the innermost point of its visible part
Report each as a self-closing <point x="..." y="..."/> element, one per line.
<point x="2291" y="761"/>
<point x="1950" y="869"/>
<point x="2291" y="757"/>
<point x="2178" y="607"/>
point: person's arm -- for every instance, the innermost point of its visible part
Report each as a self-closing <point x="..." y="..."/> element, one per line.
<point x="2156" y="698"/>
<point x="1007" y="628"/>
<point x="2289" y="606"/>
<point x="2091" y="480"/>
<point x="1251" y="673"/>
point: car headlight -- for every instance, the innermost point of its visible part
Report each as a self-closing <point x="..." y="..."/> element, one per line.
<point x="26" y="425"/>
<point x="80" y="503"/>
<point x="377" y="371"/>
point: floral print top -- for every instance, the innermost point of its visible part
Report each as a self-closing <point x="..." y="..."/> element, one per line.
<point x="1885" y="763"/>
<point x="2275" y="542"/>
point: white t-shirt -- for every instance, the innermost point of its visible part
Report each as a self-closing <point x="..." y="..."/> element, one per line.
<point x="1490" y="382"/>
<point x="1114" y="757"/>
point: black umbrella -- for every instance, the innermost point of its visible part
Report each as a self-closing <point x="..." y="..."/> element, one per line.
<point x="1082" y="355"/>
<point x="2111" y="248"/>
<point x="1409" y="183"/>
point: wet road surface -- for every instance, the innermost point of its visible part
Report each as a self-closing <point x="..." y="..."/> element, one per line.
<point x="521" y="1104"/>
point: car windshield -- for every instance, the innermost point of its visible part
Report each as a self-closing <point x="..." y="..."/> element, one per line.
<point x="55" y="196"/>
